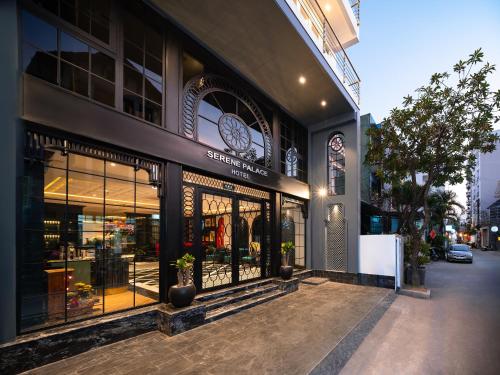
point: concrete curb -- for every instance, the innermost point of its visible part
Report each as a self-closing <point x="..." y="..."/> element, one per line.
<point x="415" y="293"/>
<point x="338" y="357"/>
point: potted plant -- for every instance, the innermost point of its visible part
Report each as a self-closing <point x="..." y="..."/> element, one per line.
<point x="182" y="294"/>
<point x="422" y="259"/>
<point x="286" y="270"/>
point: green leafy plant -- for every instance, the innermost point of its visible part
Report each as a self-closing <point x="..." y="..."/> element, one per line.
<point x="184" y="266"/>
<point x="185" y="262"/>
<point x="286" y="247"/>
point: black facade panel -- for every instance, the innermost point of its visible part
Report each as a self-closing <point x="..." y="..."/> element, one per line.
<point x="51" y="106"/>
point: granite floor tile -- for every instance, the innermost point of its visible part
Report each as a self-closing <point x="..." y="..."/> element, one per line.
<point x="289" y="335"/>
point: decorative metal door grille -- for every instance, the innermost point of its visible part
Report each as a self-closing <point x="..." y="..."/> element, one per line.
<point x="216" y="240"/>
<point x="215" y="183"/>
<point x="250" y="240"/>
<point x="336" y="239"/>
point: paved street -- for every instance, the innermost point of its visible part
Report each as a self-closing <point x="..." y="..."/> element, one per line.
<point x="456" y="332"/>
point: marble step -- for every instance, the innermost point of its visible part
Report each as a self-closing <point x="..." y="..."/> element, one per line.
<point x="208" y="296"/>
<point x="240" y="296"/>
<point x="234" y="308"/>
<point x="314" y="280"/>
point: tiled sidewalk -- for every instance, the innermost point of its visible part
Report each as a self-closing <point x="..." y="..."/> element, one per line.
<point x="290" y="335"/>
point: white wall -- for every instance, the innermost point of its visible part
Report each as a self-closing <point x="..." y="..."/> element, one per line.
<point x="380" y="254"/>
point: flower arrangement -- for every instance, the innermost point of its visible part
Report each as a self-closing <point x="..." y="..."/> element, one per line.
<point x="82" y="297"/>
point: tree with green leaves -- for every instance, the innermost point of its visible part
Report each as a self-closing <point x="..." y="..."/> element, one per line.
<point x="436" y="132"/>
<point x="444" y="206"/>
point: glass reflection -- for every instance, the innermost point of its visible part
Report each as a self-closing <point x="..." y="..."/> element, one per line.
<point x="91" y="240"/>
<point x="211" y="108"/>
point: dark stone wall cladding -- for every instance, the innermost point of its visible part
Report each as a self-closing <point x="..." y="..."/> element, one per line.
<point x="30" y="353"/>
<point x="357" y="278"/>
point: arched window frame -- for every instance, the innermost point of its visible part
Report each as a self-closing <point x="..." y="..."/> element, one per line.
<point x="336" y="164"/>
<point x="199" y="86"/>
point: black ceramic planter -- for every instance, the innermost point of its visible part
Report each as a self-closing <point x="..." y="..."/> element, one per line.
<point x="286" y="272"/>
<point x="182" y="296"/>
<point x="409" y="275"/>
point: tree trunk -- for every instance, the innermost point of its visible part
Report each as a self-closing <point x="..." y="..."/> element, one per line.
<point x="415" y="249"/>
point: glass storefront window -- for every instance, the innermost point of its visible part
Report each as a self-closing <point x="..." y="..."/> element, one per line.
<point x="91" y="239"/>
<point x="293" y="228"/>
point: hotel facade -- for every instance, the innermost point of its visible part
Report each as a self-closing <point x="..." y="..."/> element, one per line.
<point x="134" y="132"/>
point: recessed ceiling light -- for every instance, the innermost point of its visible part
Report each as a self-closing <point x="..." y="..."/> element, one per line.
<point x="328" y="7"/>
<point x="302" y="80"/>
<point x="323" y="103"/>
<point x="113" y="164"/>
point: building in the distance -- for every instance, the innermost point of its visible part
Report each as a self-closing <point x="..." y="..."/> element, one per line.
<point x="377" y="214"/>
<point x="136" y="131"/>
<point x="483" y="190"/>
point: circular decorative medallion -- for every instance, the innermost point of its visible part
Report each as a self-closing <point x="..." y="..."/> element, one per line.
<point x="235" y="132"/>
<point x="291" y="155"/>
<point x="337" y="143"/>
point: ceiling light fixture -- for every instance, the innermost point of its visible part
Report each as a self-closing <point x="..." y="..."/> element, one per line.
<point x="302" y="80"/>
<point x="328" y="7"/>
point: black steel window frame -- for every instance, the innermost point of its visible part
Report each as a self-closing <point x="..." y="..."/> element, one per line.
<point x="54" y="15"/>
<point x="335" y="153"/>
<point x="125" y="42"/>
<point x="34" y="146"/>
<point x="74" y="32"/>
<point x="114" y="49"/>
<point x="304" y="206"/>
<point x="293" y="148"/>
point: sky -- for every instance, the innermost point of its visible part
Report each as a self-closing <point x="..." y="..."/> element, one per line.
<point x="403" y="42"/>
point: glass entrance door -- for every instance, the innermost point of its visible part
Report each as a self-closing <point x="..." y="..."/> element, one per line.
<point x="227" y="238"/>
<point x="250" y="239"/>
<point x="215" y="242"/>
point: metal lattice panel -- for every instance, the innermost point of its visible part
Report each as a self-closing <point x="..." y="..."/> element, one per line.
<point x="217" y="238"/>
<point x="198" y="87"/>
<point x="198" y="179"/>
<point x="267" y="239"/>
<point x="336" y="239"/>
<point x="250" y="239"/>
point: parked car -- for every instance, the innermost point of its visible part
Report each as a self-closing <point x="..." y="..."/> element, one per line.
<point x="437" y="253"/>
<point x="459" y="253"/>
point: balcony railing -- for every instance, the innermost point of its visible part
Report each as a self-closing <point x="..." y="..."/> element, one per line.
<point x="355" y="8"/>
<point x="319" y="29"/>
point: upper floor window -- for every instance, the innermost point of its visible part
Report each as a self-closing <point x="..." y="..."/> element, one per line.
<point x="221" y="116"/>
<point x="336" y="164"/>
<point x="293" y="150"/>
<point x="91" y="16"/>
<point x="60" y="58"/>
<point x="142" y="70"/>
